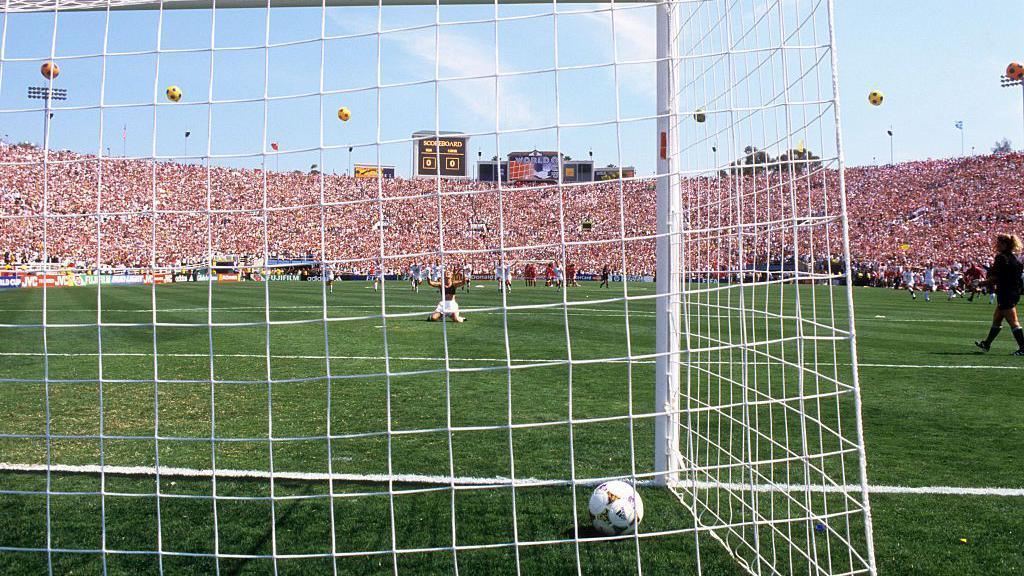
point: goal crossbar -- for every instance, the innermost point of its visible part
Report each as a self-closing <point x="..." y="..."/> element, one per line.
<point x="18" y="6"/>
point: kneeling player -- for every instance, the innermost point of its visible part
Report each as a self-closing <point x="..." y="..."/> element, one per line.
<point x="447" y="306"/>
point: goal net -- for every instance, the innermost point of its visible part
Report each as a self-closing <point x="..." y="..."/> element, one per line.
<point x="240" y="240"/>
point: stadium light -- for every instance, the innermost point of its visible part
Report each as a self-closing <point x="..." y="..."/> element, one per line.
<point x="47" y="95"/>
<point x="1007" y="82"/>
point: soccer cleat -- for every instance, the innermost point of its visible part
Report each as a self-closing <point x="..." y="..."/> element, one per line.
<point x="1019" y="352"/>
<point x="983" y="345"/>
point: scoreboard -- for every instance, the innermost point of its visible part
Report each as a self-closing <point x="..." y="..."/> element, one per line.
<point x="440" y="153"/>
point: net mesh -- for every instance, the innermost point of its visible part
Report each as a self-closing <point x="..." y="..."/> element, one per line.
<point x="268" y="396"/>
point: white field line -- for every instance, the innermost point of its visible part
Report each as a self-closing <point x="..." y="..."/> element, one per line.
<point x="609" y="311"/>
<point x="497" y="481"/>
<point x="457" y="359"/>
<point x="427" y="308"/>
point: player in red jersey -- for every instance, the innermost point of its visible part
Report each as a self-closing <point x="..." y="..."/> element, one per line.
<point x="549" y="275"/>
<point x="972" y="281"/>
<point x="570" y="274"/>
<point x="530" y="274"/>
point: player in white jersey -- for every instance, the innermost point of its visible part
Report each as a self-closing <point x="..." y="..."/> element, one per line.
<point x="414" y="277"/>
<point x="953" y="284"/>
<point x="329" y="278"/>
<point x="503" y="274"/>
<point x="929" y="282"/>
<point x="559" y="275"/>
<point x="467" y="275"/>
<point x="378" y="277"/>
<point x="909" y="282"/>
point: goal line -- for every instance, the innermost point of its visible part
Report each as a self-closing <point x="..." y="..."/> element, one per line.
<point x="496" y="481"/>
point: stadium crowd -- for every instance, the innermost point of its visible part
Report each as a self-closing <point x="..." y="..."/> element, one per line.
<point x="137" y="213"/>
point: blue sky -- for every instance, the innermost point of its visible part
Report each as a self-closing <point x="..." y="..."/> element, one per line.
<point x="937" y="62"/>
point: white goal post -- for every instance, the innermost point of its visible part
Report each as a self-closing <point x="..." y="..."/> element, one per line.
<point x="750" y="420"/>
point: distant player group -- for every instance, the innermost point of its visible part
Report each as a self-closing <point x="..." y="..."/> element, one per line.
<point x="1003" y="282"/>
<point x="448" y="281"/>
<point x="954" y="281"/>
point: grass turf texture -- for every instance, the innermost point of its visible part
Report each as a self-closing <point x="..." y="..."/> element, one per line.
<point x="938" y="426"/>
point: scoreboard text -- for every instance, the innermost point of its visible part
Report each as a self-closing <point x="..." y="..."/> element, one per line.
<point x="444" y="155"/>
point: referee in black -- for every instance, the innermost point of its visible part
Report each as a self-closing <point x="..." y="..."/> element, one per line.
<point x="1004" y="278"/>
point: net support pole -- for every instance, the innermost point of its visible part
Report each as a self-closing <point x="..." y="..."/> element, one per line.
<point x="668" y="309"/>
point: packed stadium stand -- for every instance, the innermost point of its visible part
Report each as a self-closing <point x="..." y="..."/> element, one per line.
<point x="938" y="212"/>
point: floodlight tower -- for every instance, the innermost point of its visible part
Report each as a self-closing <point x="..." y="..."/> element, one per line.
<point x="1007" y="82"/>
<point x="47" y="94"/>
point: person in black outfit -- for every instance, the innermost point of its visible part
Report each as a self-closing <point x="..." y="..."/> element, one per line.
<point x="1004" y="279"/>
<point x="605" y="273"/>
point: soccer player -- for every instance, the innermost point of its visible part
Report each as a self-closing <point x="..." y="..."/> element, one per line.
<point x="329" y="278"/>
<point x="503" y="274"/>
<point x="908" y="282"/>
<point x="447" y="306"/>
<point x="414" y="277"/>
<point x="973" y="278"/>
<point x="467" y="276"/>
<point x="530" y="274"/>
<point x="559" y="275"/>
<point x="570" y="274"/>
<point x="953" y="283"/>
<point x="378" y="276"/>
<point x="549" y="275"/>
<point x="929" y="282"/>
<point x="1005" y="281"/>
<point x="606" y="273"/>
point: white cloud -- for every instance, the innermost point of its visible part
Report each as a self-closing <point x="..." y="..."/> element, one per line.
<point x="466" y="56"/>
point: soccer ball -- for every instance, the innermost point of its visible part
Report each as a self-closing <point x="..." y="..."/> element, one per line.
<point x="49" y="70"/>
<point x="173" y="93"/>
<point x="615" y="508"/>
<point x="699" y="115"/>
<point x="1015" y="71"/>
<point x="344" y="114"/>
<point x="876" y="98"/>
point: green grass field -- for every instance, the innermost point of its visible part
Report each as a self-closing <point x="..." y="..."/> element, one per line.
<point x="935" y="414"/>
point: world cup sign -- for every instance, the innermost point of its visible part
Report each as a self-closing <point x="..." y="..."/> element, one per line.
<point x="535" y="165"/>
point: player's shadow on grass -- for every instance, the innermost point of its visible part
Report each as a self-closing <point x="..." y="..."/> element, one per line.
<point x="965" y="353"/>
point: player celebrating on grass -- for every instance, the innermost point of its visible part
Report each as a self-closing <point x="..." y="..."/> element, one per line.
<point x="1004" y="280"/>
<point x="447" y="306"/>
<point x="909" y="281"/>
<point x="929" y="282"/>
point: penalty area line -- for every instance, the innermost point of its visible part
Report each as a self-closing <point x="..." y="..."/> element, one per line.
<point x="497" y="481"/>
